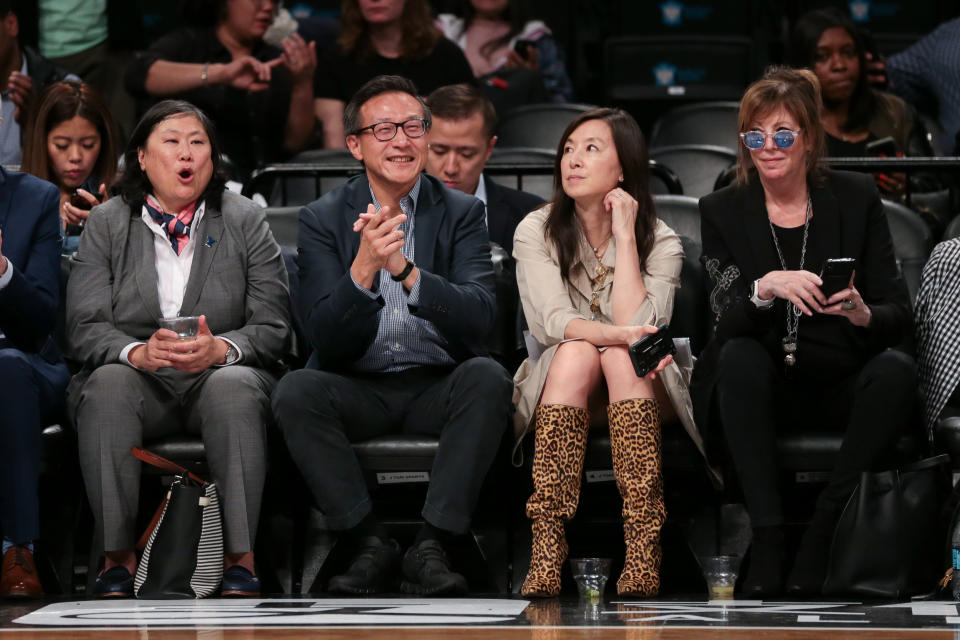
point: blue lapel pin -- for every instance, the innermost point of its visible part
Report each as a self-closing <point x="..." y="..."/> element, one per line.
<point x="210" y="242"/>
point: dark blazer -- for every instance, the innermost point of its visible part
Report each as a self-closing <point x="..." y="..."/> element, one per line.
<point x="848" y="221"/>
<point x="452" y="254"/>
<point x="237" y="280"/>
<point x="506" y="207"/>
<point x="30" y="223"/>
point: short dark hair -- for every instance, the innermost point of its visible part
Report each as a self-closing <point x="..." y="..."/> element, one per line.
<point x="461" y="101"/>
<point x="373" y="88"/>
<point x="134" y="185"/>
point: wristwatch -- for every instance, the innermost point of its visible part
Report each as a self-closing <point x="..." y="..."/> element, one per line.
<point x="755" y="298"/>
<point x="400" y="277"/>
<point x="232" y="354"/>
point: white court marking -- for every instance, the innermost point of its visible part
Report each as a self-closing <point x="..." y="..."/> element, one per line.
<point x="275" y="612"/>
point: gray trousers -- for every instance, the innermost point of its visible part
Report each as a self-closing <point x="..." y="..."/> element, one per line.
<point x="119" y="407"/>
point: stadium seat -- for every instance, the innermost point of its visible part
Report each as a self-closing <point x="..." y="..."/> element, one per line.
<point x="912" y="243"/>
<point x="284" y="223"/>
<point x="697" y="166"/>
<point x="712" y="123"/>
<point x="537" y="125"/>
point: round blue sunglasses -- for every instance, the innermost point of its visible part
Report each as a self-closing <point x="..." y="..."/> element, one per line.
<point x="754" y="140"/>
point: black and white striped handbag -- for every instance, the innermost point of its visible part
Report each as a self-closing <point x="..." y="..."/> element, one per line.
<point x="183" y="552"/>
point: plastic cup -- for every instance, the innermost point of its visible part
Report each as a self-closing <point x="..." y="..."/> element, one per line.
<point x="720" y="572"/>
<point x="590" y="574"/>
<point x="184" y="326"/>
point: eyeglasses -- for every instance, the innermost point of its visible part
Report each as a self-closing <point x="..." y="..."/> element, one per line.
<point x="385" y="131"/>
<point x="784" y="138"/>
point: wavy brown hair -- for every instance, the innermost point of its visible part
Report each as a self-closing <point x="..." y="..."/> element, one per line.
<point x="420" y="35"/>
<point x="561" y="227"/>
<point x="798" y="92"/>
<point x="63" y="101"/>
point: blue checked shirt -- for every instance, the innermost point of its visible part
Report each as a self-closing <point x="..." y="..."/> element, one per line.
<point x="403" y="340"/>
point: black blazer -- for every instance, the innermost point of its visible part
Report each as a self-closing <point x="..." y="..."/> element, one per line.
<point x="452" y="254"/>
<point x="848" y="221"/>
<point x="30" y="223"/>
<point x="506" y="207"/>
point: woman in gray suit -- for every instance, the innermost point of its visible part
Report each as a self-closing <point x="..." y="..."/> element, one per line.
<point x="173" y="242"/>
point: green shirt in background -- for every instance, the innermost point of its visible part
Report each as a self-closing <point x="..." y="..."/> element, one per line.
<point x="71" y="26"/>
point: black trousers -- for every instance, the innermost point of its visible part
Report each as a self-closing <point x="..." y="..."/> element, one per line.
<point x="321" y="413"/>
<point x="755" y="401"/>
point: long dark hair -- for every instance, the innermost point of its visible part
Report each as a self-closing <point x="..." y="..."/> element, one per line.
<point x="63" y="101"/>
<point x="561" y="226"/>
<point x="517" y="14"/>
<point x="420" y="35"/>
<point x="803" y="51"/>
<point x="133" y="185"/>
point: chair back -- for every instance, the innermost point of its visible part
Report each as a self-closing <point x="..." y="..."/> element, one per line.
<point x="697" y="165"/>
<point x="713" y="123"/>
<point x="537" y="125"/>
<point x="912" y="243"/>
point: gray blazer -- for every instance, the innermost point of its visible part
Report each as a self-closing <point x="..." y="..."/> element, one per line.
<point x="237" y="280"/>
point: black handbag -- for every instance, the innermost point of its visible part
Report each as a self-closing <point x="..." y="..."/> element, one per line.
<point x="183" y="546"/>
<point x="889" y="540"/>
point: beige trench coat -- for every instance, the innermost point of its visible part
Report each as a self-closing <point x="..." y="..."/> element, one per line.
<point x="549" y="303"/>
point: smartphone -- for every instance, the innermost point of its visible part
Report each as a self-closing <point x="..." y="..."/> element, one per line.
<point x="647" y="352"/>
<point x="80" y="202"/>
<point x="836" y="273"/>
<point x="886" y="147"/>
<point x="520" y="46"/>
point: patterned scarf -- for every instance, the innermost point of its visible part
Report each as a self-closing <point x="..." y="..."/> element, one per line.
<point x="177" y="227"/>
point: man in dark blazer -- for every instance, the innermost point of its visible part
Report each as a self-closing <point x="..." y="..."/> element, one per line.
<point x="396" y="299"/>
<point x="459" y="145"/>
<point x="33" y="377"/>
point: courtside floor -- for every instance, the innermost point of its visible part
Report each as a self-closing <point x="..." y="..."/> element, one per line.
<point x="403" y="618"/>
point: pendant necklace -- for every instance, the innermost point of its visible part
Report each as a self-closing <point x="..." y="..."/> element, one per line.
<point x="793" y="312"/>
<point x="600" y="279"/>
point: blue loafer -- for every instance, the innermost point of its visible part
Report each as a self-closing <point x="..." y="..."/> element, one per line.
<point x="238" y="582"/>
<point x="115" y="582"/>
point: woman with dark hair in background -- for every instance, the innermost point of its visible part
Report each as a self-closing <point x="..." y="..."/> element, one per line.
<point x="789" y="352"/>
<point x="500" y="34"/>
<point x="72" y="143"/>
<point x="172" y="243"/>
<point x="383" y="37"/>
<point x="854" y="114"/>
<point x="597" y="270"/>
<point x="259" y="96"/>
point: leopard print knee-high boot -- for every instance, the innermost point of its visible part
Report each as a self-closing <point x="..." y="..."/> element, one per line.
<point x="635" y="444"/>
<point x="560" y="444"/>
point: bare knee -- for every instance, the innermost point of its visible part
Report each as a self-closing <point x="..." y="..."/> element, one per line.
<point x="574" y="373"/>
<point x="622" y="380"/>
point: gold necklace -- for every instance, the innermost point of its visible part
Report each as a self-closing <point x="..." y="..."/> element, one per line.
<point x="599" y="280"/>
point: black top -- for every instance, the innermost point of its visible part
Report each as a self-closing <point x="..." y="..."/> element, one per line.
<point x="250" y="124"/>
<point x="837" y="148"/>
<point x="339" y="76"/>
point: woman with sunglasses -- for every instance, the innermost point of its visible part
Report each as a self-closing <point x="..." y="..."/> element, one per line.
<point x="785" y="354"/>
<point x="597" y="271"/>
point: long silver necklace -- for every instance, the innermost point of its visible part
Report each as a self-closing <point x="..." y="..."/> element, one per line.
<point x="793" y="312"/>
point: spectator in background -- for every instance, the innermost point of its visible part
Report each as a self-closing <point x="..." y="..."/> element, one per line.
<point x="458" y="146"/>
<point x="854" y="114"/>
<point x="383" y="37"/>
<point x="32" y="372"/>
<point x="72" y="143"/>
<point x="488" y="31"/>
<point x="259" y="96"/>
<point x="24" y="74"/>
<point x="927" y="75"/>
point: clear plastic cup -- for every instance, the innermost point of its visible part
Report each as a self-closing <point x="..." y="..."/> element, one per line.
<point x="720" y="572"/>
<point x="590" y="574"/>
<point x="184" y="326"/>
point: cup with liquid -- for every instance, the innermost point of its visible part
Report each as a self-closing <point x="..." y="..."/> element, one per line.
<point x="590" y="574"/>
<point x="184" y="326"/>
<point x="720" y="572"/>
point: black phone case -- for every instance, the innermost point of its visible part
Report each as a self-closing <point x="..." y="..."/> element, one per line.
<point x="647" y="352"/>
<point x="836" y="278"/>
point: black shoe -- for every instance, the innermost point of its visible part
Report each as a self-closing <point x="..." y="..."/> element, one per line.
<point x="427" y="571"/>
<point x="115" y="582"/>
<point x="810" y="568"/>
<point x="239" y="582"/>
<point x="764" y="578"/>
<point x="373" y="570"/>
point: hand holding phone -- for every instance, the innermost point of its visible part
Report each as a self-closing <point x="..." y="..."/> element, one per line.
<point x="520" y="46"/>
<point x="647" y="352"/>
<point x="836" y="274"/>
